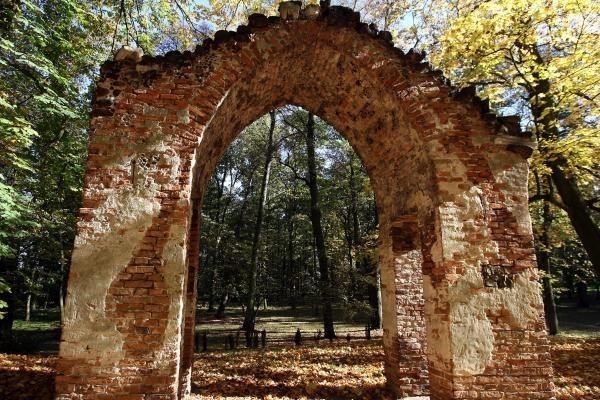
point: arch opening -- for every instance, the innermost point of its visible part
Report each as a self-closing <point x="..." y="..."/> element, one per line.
<point x="404" y="332"/>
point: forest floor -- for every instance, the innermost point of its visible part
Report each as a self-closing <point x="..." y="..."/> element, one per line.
<point x="336" y="370"/>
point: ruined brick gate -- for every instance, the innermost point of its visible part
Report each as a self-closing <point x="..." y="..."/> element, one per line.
<point x="463" y="317"/>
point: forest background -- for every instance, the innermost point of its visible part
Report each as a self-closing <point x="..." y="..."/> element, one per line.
<point x="534" y="58"/>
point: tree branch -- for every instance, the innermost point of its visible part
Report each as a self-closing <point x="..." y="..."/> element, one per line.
<point x="591" y="203"/>
<point x="287" y="164"/>
<point x="589" y="171"/>
<point x="189" y="20"/>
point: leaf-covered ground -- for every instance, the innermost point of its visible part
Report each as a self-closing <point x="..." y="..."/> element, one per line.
<point x="331" y="371"/>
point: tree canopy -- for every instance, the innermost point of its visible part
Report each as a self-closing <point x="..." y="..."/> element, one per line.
<point x="537" y="59"/>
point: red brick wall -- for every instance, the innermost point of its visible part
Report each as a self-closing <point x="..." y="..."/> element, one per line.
<point x="453" y="299"/>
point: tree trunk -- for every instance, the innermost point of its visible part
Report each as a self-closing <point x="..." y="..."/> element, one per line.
<point x="544" y="264"/>
<point x="250" y="315"/>
<point x="211" y="290"/>
<point x="61" y="286"/>
<point x="579" y="214"/>
<point x="354" y="206"/>
<point x="375" y="300"/>
<point x="315" y="217"/>
<point x="28" y="308"/>
<point x="582" y="296"/>
<point x="546" y="119"/>
<point x="7" y="268"/>
<point x="222" y="304"/>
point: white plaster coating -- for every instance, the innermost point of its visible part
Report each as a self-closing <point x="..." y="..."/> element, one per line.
<point x="96" y="262"/>
<point x="471" y="331"/>
<point x="460" y="216"/>
<point x="119" y="225"/>
<point x="471" y="342"/>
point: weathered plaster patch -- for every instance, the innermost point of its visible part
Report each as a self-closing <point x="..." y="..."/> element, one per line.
<point x="461" y="215"/>
<point x="511" y="171"/>
<point x="174" y="254"/>
<point x="471" y="331"/>
<point x="438" y="331"/>
<point x="119" y="225"/>
<point x="155" y="142"/>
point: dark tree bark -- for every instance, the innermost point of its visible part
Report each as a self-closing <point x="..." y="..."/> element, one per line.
<point x="354" y="206"/>
<point x="250" y="314"/>
<point x="291" y="267"/>
<point x="579" y="214"/>
<point x="545" y="115"/>
<point x="544" y="264"/>
<point x="582" y="295"/>
<point x="315" y="217"/>
<point x="7" y="268"/>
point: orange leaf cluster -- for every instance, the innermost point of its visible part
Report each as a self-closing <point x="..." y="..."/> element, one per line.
<point x="330" y="370"/>
<point x="576" y="368"/>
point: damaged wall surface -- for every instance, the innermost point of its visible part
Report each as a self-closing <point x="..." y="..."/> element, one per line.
<point x="462" y="312"/>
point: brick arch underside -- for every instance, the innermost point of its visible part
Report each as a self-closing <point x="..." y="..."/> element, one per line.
<point x="440" y="171"/>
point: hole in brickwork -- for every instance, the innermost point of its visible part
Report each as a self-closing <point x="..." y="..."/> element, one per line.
<point x="496" y="276"/>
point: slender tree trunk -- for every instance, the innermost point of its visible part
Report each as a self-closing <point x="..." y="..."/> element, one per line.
<point x="582" y="295"/>
<point x="211" y="290"/>
<point x="374" y="292"/>
<point x="291" y="267"/>
<point x="211" y="262"/>
<point x="28" y="308"/>
<point x="354" y="206"/>
<point x="222" y="304"/>
<point x="379" y="307"/>
<point x="61" y="286"/>
<point x="250" y="315"/>
<point x="544" y="264"/>
<point x="315" y="217"/>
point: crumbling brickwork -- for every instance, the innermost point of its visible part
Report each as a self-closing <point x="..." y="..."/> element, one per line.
<point x="450" y="181"/>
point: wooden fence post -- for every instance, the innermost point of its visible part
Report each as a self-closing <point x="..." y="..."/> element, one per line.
<point x="298" y="337"/>
<point x="248" y="338"/>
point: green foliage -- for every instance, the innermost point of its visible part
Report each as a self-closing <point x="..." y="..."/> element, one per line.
<point x="288" y="269"/>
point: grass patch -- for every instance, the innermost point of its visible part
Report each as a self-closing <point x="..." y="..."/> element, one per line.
<point x="40" y="334"/>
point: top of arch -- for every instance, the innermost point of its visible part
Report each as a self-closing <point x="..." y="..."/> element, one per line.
<point x="507" y="127"/>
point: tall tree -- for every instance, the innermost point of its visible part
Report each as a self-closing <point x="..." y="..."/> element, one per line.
<point x="315" y="218"/>
<point x="249" y="318"/>
<point x="539" y="58"/>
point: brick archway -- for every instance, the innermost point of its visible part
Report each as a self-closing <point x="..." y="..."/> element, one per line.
<point x="463" y="317"/>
